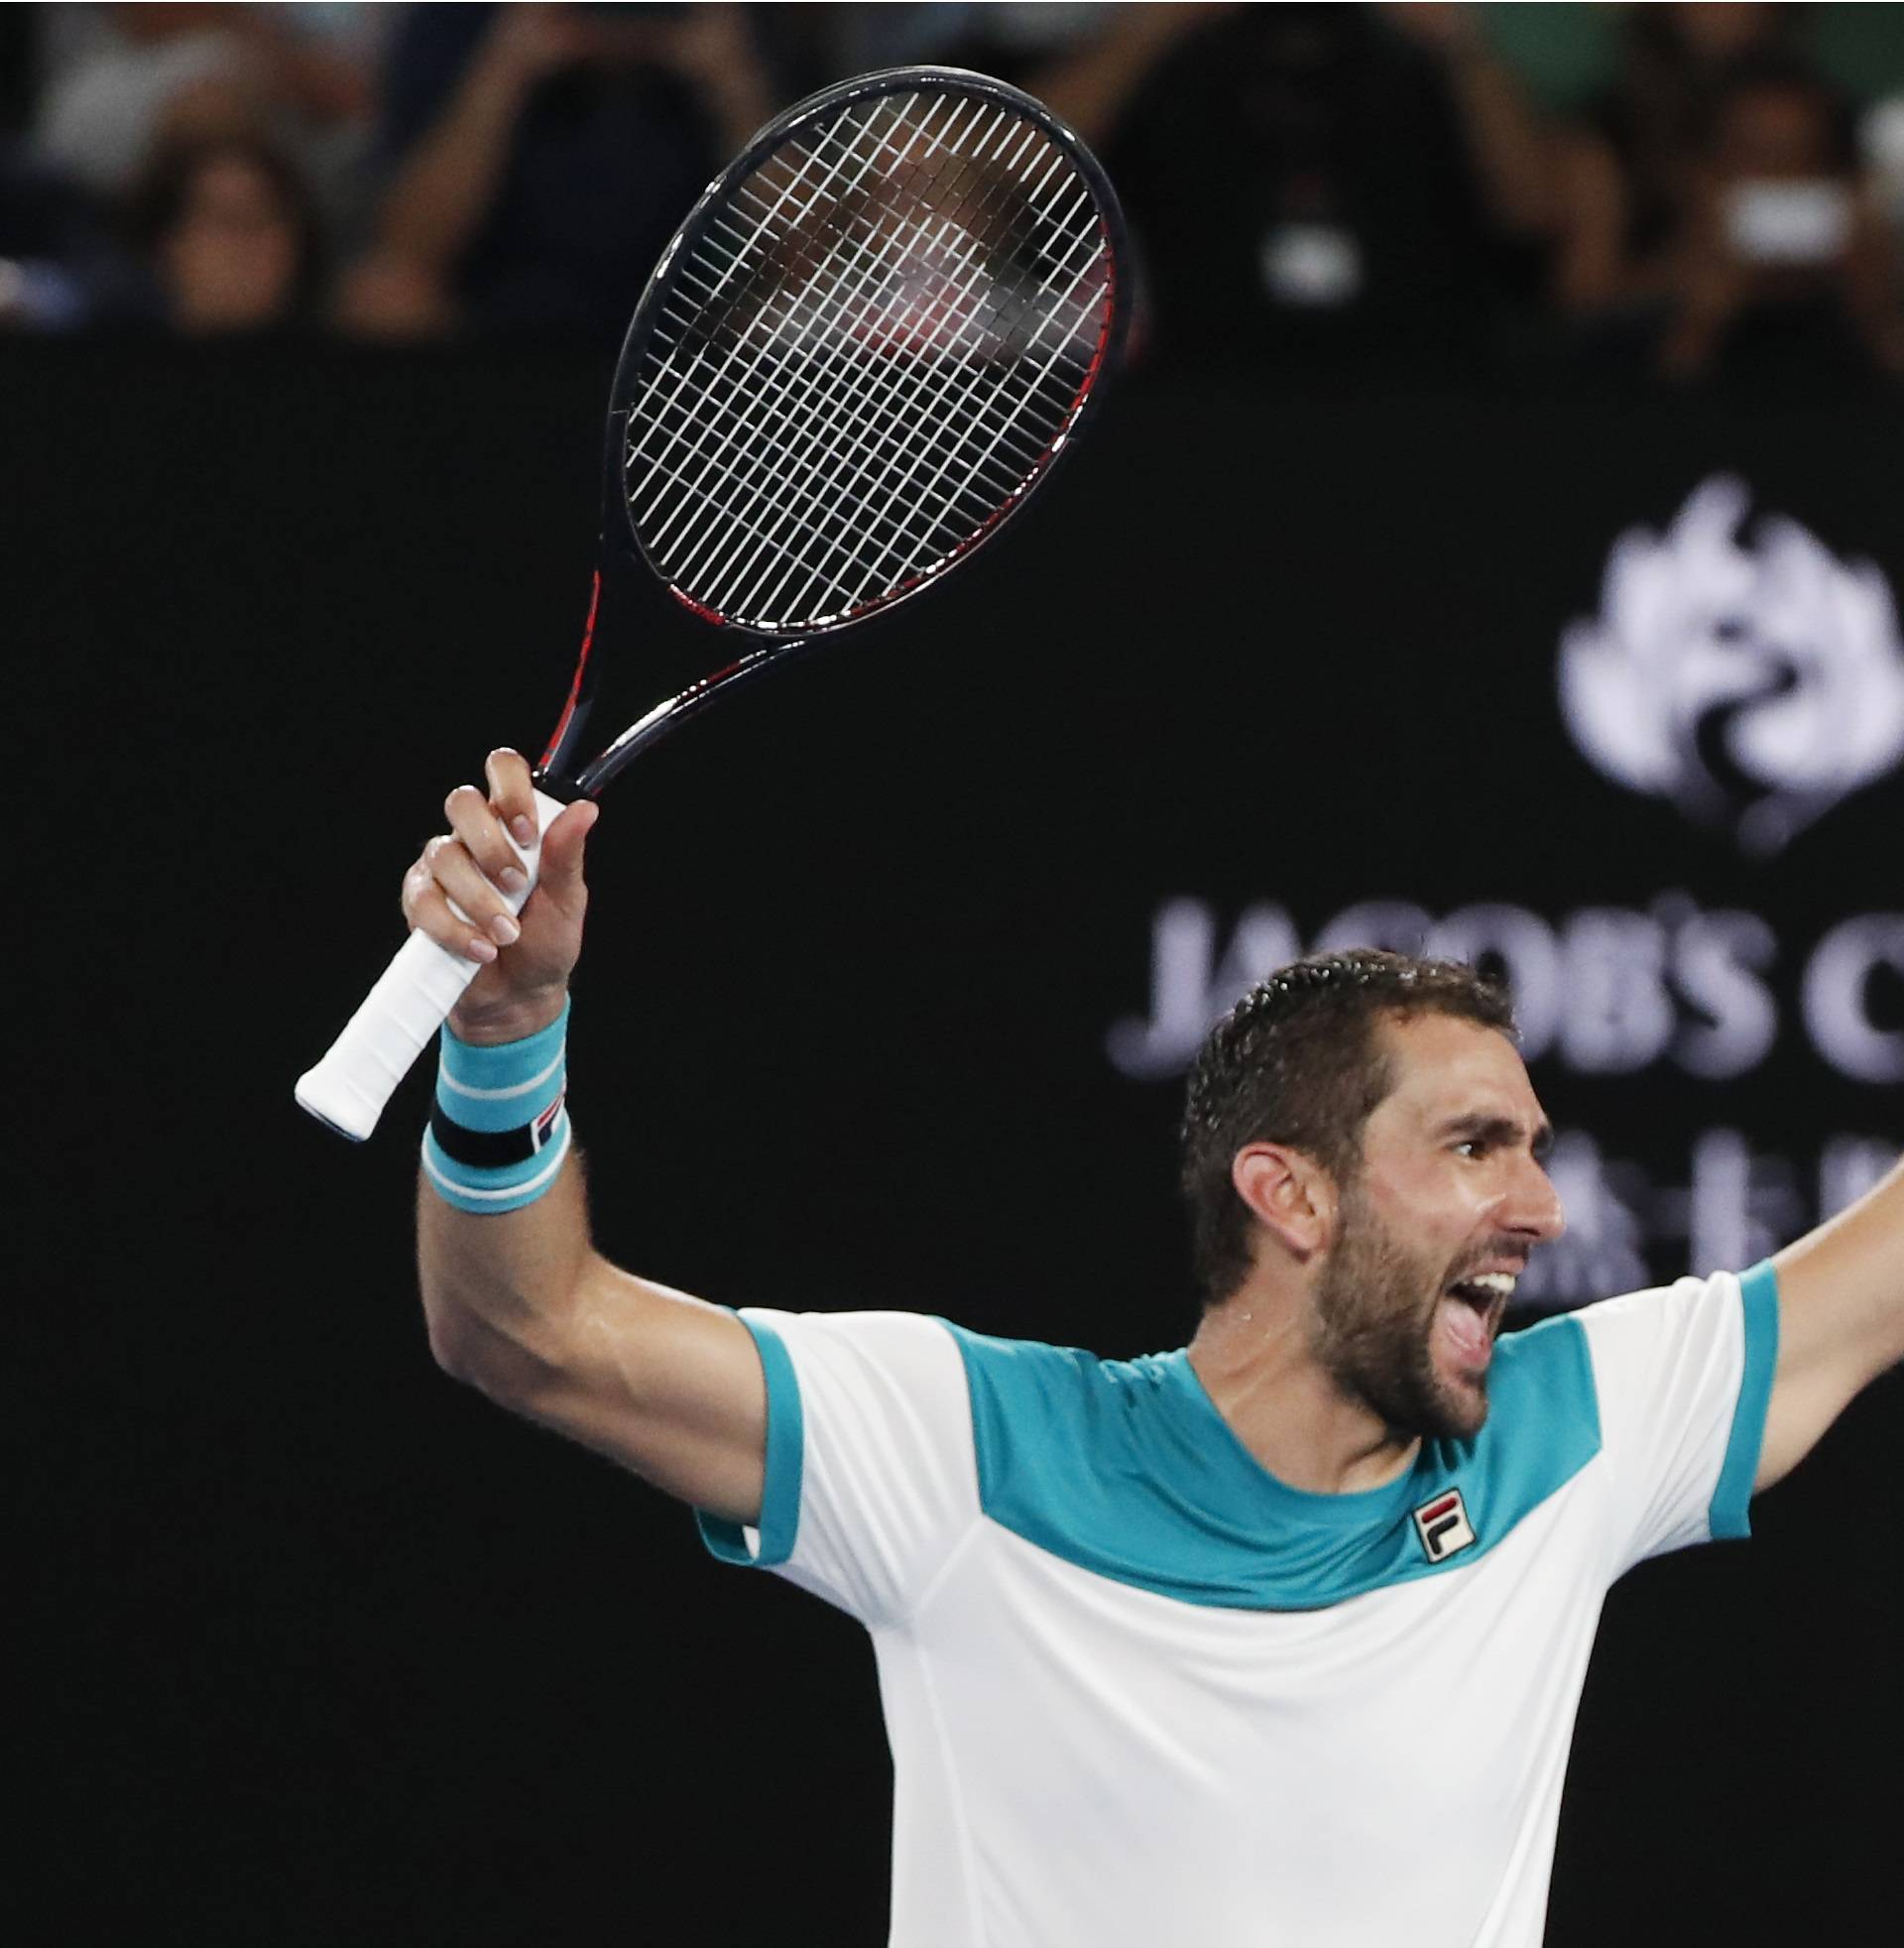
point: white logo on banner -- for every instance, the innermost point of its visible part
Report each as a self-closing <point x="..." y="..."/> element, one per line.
<point x="1753" y="684"/>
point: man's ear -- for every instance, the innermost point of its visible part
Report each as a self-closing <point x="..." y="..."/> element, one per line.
<point x="1291" y="1194"/>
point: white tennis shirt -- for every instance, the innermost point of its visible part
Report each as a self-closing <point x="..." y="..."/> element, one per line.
<point x="1142" y="1694"/>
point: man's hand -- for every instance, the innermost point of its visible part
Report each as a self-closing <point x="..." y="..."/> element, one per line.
<point x="525" y="963"/>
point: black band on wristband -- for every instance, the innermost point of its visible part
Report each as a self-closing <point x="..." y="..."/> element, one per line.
<point x="484" y="1150"/>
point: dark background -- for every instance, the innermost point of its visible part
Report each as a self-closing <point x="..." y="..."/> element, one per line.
<point x="318" y="1646"/>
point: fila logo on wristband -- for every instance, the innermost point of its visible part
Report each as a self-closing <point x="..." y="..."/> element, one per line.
<point x="1443" y="1526"/>
<point x="491" y="1149"/>
<point x="499" y="1124"/>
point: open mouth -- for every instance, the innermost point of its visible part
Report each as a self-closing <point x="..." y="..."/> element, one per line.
<point x="1470" y="1314"/>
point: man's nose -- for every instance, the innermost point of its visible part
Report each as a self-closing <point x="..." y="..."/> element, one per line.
<point x="1535" y="1208"/>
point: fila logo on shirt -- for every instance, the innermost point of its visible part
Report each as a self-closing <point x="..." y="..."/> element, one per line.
<point x="1443" y="1526"/>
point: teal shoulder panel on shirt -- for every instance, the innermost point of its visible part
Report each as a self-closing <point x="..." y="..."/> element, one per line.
<point x="786" y="1462"/>
<point x="1126" y="1469"/>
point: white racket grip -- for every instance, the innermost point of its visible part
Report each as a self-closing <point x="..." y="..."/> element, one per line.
<point x="412" y="999"/>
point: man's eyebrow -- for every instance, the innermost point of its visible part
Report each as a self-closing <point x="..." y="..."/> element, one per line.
<point x="1483" y="1128"/>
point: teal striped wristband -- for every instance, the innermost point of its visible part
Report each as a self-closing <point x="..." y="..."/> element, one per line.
<point x="498" y="1128"/>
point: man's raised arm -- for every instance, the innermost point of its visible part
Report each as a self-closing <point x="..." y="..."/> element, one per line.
<point x="1841" y="1321"/>
<point x="519" y="1303"/>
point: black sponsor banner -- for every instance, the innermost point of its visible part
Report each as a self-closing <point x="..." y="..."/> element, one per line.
<point x="1612" y="702"/>
<point x="891" y="976"/>
<point x="1607" y="693"/>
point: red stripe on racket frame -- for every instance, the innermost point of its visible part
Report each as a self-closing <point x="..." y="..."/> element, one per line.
<point x="581" y="663"/>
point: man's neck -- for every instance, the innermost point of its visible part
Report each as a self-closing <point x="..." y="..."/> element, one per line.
<point x="1252" y="1356"/>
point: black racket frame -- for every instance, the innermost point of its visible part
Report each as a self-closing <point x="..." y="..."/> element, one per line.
<point x="623" y="556"/>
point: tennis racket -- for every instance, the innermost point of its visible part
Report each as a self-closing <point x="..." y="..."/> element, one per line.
<point x="868" y="342"/>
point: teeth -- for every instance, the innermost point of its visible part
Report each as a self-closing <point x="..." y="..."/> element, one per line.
<point x="1497" y="1285"/>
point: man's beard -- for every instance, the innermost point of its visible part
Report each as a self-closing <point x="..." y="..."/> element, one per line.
<point x="1375" y="1307"/>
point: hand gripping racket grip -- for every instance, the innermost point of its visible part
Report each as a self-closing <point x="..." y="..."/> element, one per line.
<point x="409" y="1002"/>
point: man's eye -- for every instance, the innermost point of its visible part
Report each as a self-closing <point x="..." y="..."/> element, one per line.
<point x="1471" y="1147"/>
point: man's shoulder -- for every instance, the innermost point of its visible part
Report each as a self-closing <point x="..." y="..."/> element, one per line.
<point x="1019" y="1377"/>
<point x="1039" y="1362"/>
<point x="1631" y="1332"/>
<point x="1032" y="1383"/>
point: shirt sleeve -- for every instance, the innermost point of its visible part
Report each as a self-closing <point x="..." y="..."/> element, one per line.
<point x="1683" y="1376"/>
<point x="872" y="1481"/>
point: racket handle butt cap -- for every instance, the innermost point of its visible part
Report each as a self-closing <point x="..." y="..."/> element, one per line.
<point x="348" y="1089"/>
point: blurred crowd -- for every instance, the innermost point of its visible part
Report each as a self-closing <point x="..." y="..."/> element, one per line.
<point x="1689" y="192"/>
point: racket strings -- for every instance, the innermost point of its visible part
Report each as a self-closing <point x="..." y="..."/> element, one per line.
<point x="877" y="346"/>
<point x="939" y="501"/>
<point x="880" y="417"/>
<point x="922" y="465"/>
<point x="823" y="397"/>
<point x="755" y="417"/>
<point x="957" y="283"/>
<point x="955" y="287"/>
<point x="942" y="488"/>
<point x="842" y="229"/>
<point x="773" y="413"/>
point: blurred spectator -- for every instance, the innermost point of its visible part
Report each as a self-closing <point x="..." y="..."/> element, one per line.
<point x="119" y="79"/>
<point x="1084" y="61"/>
<point x="119" y="82"/>
<point x="1862" y="49"/>
<point x="1377" y="185"/>
<point x="544" y="155"/>
<point x="1783" y="263"/>
<point x="1506" y="146"/>
<point x="1713" y="214"/>
<point x="1625" y="171"/>
<point x="1330" y="182"/>
<point x="229" y="239"/>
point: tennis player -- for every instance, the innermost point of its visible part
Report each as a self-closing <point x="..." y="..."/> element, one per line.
<point x="1276" y="1637"/>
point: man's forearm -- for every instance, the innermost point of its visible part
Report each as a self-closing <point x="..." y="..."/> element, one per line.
<point x="1848" y="1281"/>
<point x="502" y="1288"/>
<point x="498" y="1289"/>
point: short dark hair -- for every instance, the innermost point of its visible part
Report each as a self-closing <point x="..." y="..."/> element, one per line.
<point x="1297" y="1061"/>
